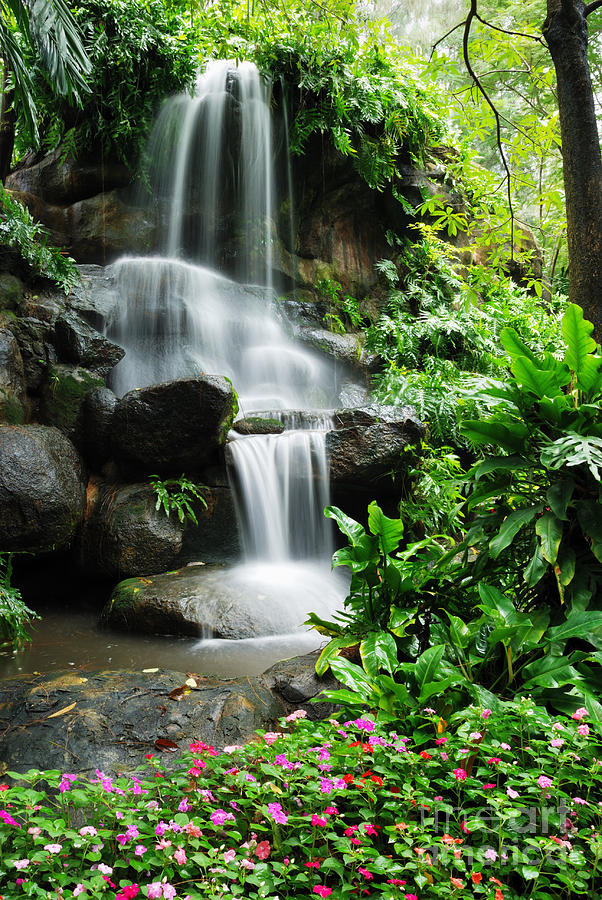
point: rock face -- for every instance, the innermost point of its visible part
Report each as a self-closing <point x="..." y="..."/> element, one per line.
<point x="171" y="427"/>
<point x="78" y="343"/>
<point x="115" y="718"/>
<point x="124" y="535"/>
<point x="208" y="602"/>
<point x="368" y="443"/>
<point x="57" y="178"/>
<point x="13" y="394"/>
<point x="42" y="488"/>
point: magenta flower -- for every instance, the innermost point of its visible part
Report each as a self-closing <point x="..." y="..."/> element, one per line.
<point x="326" y="785"/>
<point x="486" y="713"/>
<point x="6" y="817"/>
<point x="583" y="730"/>
<point x="578" y="800"/>
<point x="364" y="724"/>
<point x="277" y="813"/>
<point x="140" y="850"/>
<point x="580" y="713"/>
<point x="322" y="890"/>
<point x="461" y="774"/>
<point x="493" y="761"/>
<point x="180" y="856"/>
<point x="441" y="740"/>
<point x="318" y="820"/>
<point x="221" y="816"/>
<point x="544" y="782"/>
<point x="66" y="782"/>
<point x="366" y="873"/>
<point x="488" y="787"/>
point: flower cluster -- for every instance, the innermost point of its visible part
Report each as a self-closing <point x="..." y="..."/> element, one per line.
<point x="494" y="806"/>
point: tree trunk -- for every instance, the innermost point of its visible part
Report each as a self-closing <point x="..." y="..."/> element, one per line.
<point x="565" y="31"/>
<point x="7" y="123"/>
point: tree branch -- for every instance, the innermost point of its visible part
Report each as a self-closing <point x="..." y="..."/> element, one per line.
<point x="592" y="7"/>
<point x="532" y="37"/>
<point x="498" y="125"/>
<point x="446" y="35"/>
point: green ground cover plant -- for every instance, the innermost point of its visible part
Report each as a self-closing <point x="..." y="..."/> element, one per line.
<point x="495" y="804"/>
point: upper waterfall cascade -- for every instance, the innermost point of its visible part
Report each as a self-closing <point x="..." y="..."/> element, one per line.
<point x="211" y="175"/>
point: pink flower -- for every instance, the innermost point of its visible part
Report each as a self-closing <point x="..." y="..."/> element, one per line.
<point x="33" y="829"/>
<point x="544" y="782"/>
<point x="66" y="781"/>
<point x="491" y="854"/>
<point x="88" y="829"/>
<point x="493" y="761"/>
<point x="326" y="785"/>
<point x="180" y="856"/>
<point x="444" y="757"/>
<point x="318" y="820"/>
<point x="297" y="714"/>
<point x="321" y="890"/>
<point x="330" y="811"/>
<point x="441" y="740"/>
<point x="229" y="856"/>
<point x="438" y="798"/>
<point x="475" y="736"/>
<point x="78" y="889"/>
<point x="410" y="897"/>
<point x="314" y="864"/>
<point x="580" y="713"/>
<point x="263" y="849"/>
<point x="512" y="793"/>
<point x="583" y="730"/>
<point x="247" y="864"/>
<point x="140" y="850"/>
<point x="163" y="844"/>
<point x="104" y="869"/>
<point x="271" y="736"/>
<point x="221" y="816"/>
<point x="486" y="713"/>
<point x="55" y="848"/>
<point x="461" y="774"/>
<point x="169" y="891"/>
<point x="556" y="742"/>
<point x="578" y="800"/>
<point x="351" y="830"/>
<point x="184" y="805"/>
<point x="366" y="873"/>
<point x="154" y="890"/>
<point x="396" y="881"/>
<point x="6" y="817"/>
<point x="488" y="787"/>
<point x="505" y="746"/>
<point x="21" y="863"/>
<point x="277" y="813"/>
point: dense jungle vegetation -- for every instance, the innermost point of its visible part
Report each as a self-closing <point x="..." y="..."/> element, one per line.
<point x="487" y="589"/>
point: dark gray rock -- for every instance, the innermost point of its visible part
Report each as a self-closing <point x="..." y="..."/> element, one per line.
<point x="173" y="427"/>
<point x="111" y="719"/>
<point x="13" y="393"/>
<point x="97" y="416"/>
<point x="197" y="600"/>
<point x="34" y="337"/>
<point x="61" y="179"/>
<point x="258" y="425"/>
<point x="94" y="298"/>
<point x="79" y="343"/>
<point x="63" y="396"/>
<point x="345" y="348"/>
<point x="295" y="682"/>
<point x="365" y="452"/>
<point x="11" y="291"/>
<point x="42" y="488"/>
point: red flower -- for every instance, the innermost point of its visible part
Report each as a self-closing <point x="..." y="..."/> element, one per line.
<point x="263" y="849"/>
<point x="348" y="779"/>
<point x="314" y="864"/>
<point x="476" y="877"/>
<point x="425" y="755"/>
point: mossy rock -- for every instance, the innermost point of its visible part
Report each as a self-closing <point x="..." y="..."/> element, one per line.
<point x="64" y="394"/>
<point x="11" y="291"/>
<point x="11" y="409"/>
<point x="258" y="425"/>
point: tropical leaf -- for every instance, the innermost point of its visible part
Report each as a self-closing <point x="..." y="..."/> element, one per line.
<point x="574" y="449"/>
<point x="511" y="525"/>
<point x="490" y="431"/>
<point x="428" y="664"/>
<point x="577" y="331"/>
<point x="559" y="496"/>
<point x="549" y="531"/>
<point x="353" y="677"/>
<point x="390" y="531"/>
<point x="540" y="382"/>
<point x="514" y="347"/>
<point x="379" y="651"/>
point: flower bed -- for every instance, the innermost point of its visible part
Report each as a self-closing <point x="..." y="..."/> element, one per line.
<point x="500" y="805"/>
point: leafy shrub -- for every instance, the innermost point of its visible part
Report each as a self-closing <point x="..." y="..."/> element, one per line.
<point x="140" y="53"/>
<point x="14" y="614"/>
<point x="496" y="803"/>
<point x="177" y="495"/>
<point x="18" y="230"/>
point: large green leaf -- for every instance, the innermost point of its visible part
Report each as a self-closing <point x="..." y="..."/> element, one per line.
<point x="352" y="530"/>
<point x="353" y="677"/>
<point x="549" y="672"/>
<point x="491" y="431"/>
<point x="514" y="347"/>
<point x="332" y="650"/>
<point x="574" y="449"/>
<point x="497" y="464"/>
<point x="489" y="489"/>
<point x="494" y="602"/>
<point x="559" y="496"/>
<point x="428" y="664"/>
<point x="400" y="619"/>
<point x="359" y="556"/>
<point x="540" y="382"/>
<point x="511" y="525"/>
<point x="389" y="531"/>
<point x="589" y="514"/>
<point x="576" y="332"/>
<point x="549" y="531"/>
<point x="577" y="624"/>
<point x="379" y="651"/>
<point x="536" y="568"/>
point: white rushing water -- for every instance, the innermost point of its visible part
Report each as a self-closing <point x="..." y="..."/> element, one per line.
<point x="211" y="159"/>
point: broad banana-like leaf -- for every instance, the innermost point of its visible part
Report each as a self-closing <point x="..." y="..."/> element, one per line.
<point x="511" y="525"/>
<point x="389" y="531"/>
<point x="559" y="496"/>
<point x="379" y="651"/>
<point x="580" y="345"/>
<point x="549" y="531"/>
<point x="490" y="431"/>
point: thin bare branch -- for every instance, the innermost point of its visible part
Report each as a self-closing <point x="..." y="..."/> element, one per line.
<point x="592" y="7"/>
<point x="446" y="35"/>
<point x="498" y="125"/>
<point x="531" y="37"/>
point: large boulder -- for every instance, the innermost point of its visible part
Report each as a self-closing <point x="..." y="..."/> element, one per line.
<point x="79" y="343"/>
<point x="63" y="396"/>
<point x="206" y="601"/>
<point x="125" y="535"/>
<point x="42" y="488"/>
<point x="97" y="417"/>
<point x="109" y="720"/>
<point x="173" y="427"/>
<point x="368" y="444"/>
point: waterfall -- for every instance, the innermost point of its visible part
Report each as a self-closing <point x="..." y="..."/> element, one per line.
<point x="206" y="303"/>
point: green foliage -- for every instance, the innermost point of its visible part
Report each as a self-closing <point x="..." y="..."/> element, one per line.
<point x="392" y="587"/>
<point x="344" y="312"/>
<point x="139" y="53"/>
<point x="434" y="502"/>
<point x="536" y="504"/>
<point x="177" y="495"/>
<point x="18" y="230"/>
<point x="15" y="616"/>
<point x="486" y="795"/>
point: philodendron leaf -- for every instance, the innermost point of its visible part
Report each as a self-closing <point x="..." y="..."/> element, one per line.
<point x="390" y="531"/>
<point x="352" y="530"/>
<point x="574" y="449"/>
<point x="511" y="525"/>
<point x="540" y="382"/>
<point x="577" y="331"/>
<point x="490" y="431"/>
<point x="559" y="496"/>
<point x="577" y="624"/>
<point x="352" y="676"/>
<point x="379" y="651"/>
<point x="514" y="347"/>
<point x="428" y="664"/>
<point x="549" y="531"/>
